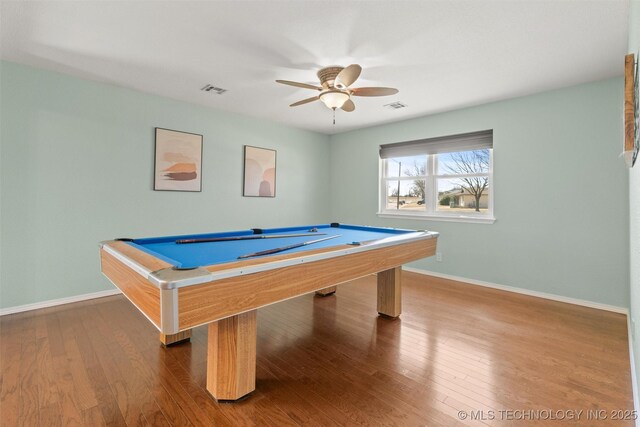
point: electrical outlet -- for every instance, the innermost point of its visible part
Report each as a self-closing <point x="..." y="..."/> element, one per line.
<point x="439" y="256"/>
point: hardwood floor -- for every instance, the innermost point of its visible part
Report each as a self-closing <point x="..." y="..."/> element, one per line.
<point x="327" y="361"/>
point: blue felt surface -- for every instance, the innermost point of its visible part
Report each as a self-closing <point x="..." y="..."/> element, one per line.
<point x="202" y="254"/>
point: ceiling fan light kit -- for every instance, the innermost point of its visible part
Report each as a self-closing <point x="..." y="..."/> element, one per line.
<point x="335" y="91"/>
<point x="334" y="98"/>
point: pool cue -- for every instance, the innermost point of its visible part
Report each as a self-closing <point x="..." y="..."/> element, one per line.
<point x="250" y="237"/>
<point x="286" y="248"/>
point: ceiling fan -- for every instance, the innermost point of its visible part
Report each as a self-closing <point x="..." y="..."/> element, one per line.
<point x="334" y="88"/>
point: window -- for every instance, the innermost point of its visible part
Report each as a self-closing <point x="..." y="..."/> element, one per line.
<point x="446" y="178"/>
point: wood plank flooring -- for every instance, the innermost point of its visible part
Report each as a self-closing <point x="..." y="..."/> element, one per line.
<point x="500" y="358"/>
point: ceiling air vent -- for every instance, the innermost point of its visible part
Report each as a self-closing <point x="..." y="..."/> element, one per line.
<point x="212" y="88"/>
<point x="395" y="105"/>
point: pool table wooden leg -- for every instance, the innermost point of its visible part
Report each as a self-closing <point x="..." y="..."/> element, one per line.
<point x="231" y="358"/>
<point x="390" y="292"/>
<point x="170" y="339"/>
<point x="327" y="291"/>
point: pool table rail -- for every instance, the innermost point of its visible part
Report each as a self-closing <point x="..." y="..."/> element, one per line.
<point x="223" y="298"/>
<point x="131" y="279"/>
<point x="169" y="277"/>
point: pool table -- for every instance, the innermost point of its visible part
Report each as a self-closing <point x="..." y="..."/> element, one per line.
<point x="220" y="279"/>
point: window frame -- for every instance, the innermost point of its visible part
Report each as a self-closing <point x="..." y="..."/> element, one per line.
<point x="431" y="193"/>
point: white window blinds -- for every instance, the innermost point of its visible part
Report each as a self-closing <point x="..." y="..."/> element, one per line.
<point x="444" y="144"/>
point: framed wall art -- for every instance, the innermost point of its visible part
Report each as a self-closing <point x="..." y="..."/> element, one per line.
<point x="178" y="161"/>
<point x="631" y="119"/>
<point x="259" y="172"/>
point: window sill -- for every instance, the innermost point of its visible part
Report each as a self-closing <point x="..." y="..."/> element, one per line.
<point x="445" y="218"/>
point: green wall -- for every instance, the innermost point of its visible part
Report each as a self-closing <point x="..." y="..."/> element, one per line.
<point x="561" y="192"/>
<point x="77" y="168"/>
<point x="634" y="202"/>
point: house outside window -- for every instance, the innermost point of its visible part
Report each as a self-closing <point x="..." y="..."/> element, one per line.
<point x="446" y="178"/>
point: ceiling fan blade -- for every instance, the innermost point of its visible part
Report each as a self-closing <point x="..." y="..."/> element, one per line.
<point x="348" y="106"/>
<point x="304" y="101"/>
<point x="374" y="91"/>
<point x="347" y="76"/>
<point x="304" y="85"/>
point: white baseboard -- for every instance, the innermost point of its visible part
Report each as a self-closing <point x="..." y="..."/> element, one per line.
<point x="60" y="301"/>
<point x="560" y="298"/>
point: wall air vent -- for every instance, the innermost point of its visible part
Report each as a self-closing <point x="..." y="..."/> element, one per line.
<point x="395" y="105"/>
<point x="214" y="89"/>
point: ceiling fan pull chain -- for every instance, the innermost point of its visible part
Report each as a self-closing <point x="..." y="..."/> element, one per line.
<point x="334" y="116"/>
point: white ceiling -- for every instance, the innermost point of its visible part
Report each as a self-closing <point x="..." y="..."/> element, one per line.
<point x="441" y="55"/>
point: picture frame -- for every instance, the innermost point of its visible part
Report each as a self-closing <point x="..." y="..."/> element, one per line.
<point x="259" y="172"/>
<point x="631" y="119"/>
<point x="178" y="161"/>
